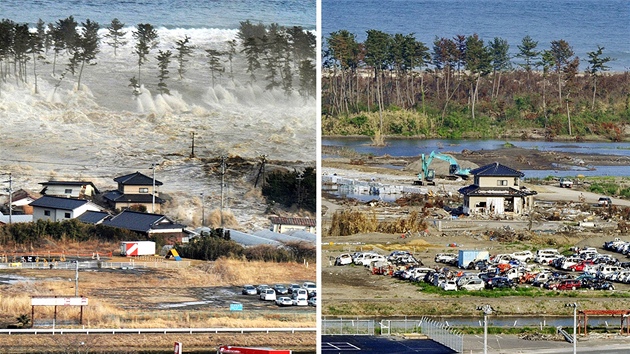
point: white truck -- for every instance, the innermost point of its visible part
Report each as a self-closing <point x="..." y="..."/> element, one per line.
<point x="137" y="248"/>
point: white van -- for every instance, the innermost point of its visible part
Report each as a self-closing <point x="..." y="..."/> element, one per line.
<point x="268" y="295"/>
<point x="358" y="259"/>
<point x="545" y="256"/>
<point x="300" y="294"/>
<point x="474" y="284"/>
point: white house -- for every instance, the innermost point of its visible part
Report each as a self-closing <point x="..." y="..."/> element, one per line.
<point x="283" y="225"/>
<point x="58" y="209"/>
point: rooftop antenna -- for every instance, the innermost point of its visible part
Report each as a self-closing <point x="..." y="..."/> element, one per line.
<point x="261" y="171"/>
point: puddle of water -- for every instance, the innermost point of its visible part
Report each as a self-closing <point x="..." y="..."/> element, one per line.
<point x="14" y="279"/>
<point x="183" y="304"/>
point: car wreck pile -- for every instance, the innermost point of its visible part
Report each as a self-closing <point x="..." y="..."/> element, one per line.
<point x="585" y="268"/>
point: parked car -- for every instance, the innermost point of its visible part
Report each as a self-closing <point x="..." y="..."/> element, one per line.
<point x="268" y="295"/>
<point x="604" y="201"/>
<point x="261" y="287"/>
<point x="449" y="285"/>
<point x="284" y="301"/>
<point x="523" y="256"/>
<point x="249" y="290"/>
<point x="310" y="287"/>
<point x="300" y="302"/>
<point x="500" y="283"/>
<point x="445" y="257"/>
<point x="597" y="284"/>
<point x="567" y="284"/>
<point x="280" y="289"/>
<point x="312" y="301"/>
<point x="343" y="259"/>
<point x="582" y="266"/>
<point x="473" y="285"/>
<point x="294" y="287"/>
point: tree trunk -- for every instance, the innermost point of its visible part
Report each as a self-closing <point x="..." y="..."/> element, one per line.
<point x="80" y="74"/>
<point x="594" y="91"/>
<point x="35" y="72"/>
<point x="569" y="116"/>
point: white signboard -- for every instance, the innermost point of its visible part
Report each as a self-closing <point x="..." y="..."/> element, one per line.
<point x="59" y="301"/>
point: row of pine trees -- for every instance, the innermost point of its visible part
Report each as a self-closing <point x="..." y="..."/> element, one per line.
<point x="460" y="76"/>
<point x="283" y="57"/>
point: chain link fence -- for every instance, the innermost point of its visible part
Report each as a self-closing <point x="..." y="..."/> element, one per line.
<point x="348" y="327"/>
<point x="434" y="330"/>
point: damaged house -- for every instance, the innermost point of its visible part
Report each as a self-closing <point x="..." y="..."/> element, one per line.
<point x="496" y="190"/>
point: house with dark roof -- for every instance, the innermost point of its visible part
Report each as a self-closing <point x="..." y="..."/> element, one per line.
<point x="69" y="189"/>
<point x="94" y="217"/>
<point x="149" y="224"/>
<point x="58" y="208"/>
<point x="135" y="191"/>
<point x="496" y="190"/>
<point x="283" y="224"/>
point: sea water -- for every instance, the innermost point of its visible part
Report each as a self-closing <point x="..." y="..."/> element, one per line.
<point x="584" y="24"/>
<point x="102" y="130"/>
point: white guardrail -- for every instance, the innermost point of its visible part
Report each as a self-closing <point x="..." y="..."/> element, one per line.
<point x="153" y="330"/>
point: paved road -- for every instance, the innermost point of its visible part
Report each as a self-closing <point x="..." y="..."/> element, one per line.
<point x="568" y="194"/>
<point x="511" y="344"/>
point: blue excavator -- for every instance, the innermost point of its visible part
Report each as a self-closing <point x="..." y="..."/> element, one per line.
<point x="427" y="175"/>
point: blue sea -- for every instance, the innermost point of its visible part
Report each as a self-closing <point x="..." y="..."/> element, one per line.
<point x="584" y="24"/>
<point x="170" y="14"/>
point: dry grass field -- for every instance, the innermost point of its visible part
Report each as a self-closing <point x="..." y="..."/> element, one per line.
<point x="197" y="296"/>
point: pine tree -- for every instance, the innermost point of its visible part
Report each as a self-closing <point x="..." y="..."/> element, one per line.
<point x="230" y="54"/>
<point x="87" y="47"/>
<point x="164" y="59"/>
<point x="308" y="76"/>
<point x="116" y="35"/>
<point x="214" y="63"/>
<point x="146" y="39"/>
<point x="184" y="50"/>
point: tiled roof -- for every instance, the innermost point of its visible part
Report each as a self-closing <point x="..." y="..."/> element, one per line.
<point x="496" y="169"/>
<point x="92" y="217"/>
<point x="293" y="221"/>
<point x="141" y="222"/>
<point x="474" y="190"/>
<point x="137" y="179"/>
<point x="118" y="197"/>
<point x="59" y="203"/>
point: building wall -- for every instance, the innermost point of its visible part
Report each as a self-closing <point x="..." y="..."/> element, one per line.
<point x="493" y="182"/>
<point x="279" y="228"/>
<point x="76" y="191"/>
<point x="125" y="205"/>
<point x="59" y="214"/>
<point x="135" y="189"/>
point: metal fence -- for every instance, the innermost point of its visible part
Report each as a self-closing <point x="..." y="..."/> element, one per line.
<point x="348" y="327"/>
<point x="442" y="333"/>
<point x="434" y="330"/>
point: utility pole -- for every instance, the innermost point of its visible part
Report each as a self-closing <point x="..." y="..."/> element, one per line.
<point x="76" y="280"/>
<point x="203" y="211"/>
<point x="223" y="157"/>
<point x="192" y="151"/>
<point x="299" y="178"/>
<point x="487" y="310"/>
<point x="574" y="306"/>
<point x="153" y="190"/>
<point x="10" y="190"/>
